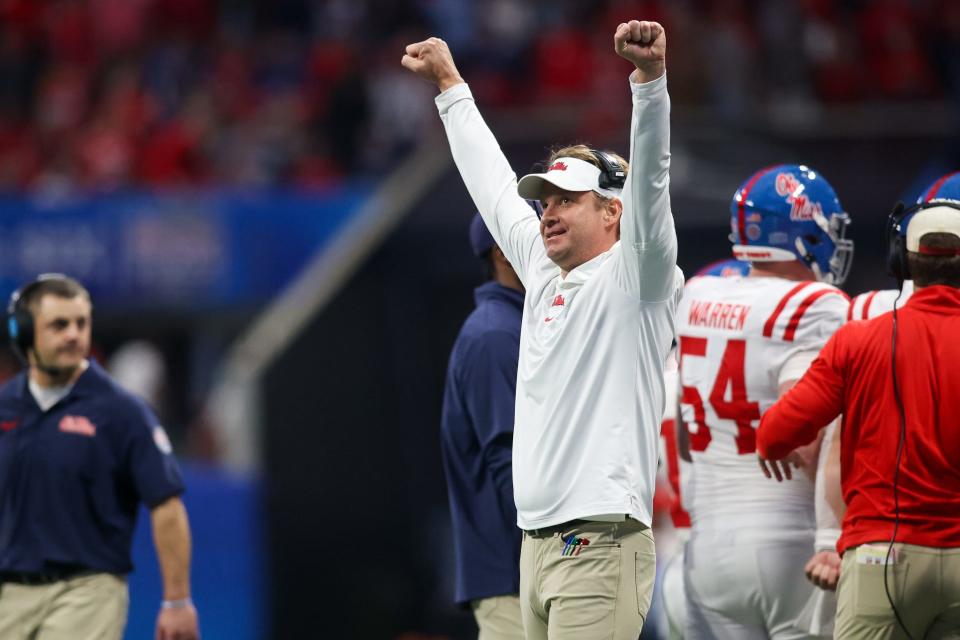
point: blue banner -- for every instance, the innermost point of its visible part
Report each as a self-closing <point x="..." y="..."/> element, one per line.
<point x="189" y="251"/>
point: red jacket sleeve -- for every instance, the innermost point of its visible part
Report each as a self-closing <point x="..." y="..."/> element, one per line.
<point x="810" y="405"/>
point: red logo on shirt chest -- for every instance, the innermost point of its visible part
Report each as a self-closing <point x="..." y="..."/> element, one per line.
<point x="79" y="425"/>
<point x="8" y="425"/>
<point x="552" y="313"/>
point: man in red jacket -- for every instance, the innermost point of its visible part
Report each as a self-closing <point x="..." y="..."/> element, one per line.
<point x="896" y="380"/>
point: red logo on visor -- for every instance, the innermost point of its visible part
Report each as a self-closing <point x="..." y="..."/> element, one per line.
<point x="557" y="166"/>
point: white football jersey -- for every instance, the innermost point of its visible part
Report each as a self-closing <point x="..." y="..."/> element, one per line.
<point x="876" y="303"/>
<point x="740" y="339"/>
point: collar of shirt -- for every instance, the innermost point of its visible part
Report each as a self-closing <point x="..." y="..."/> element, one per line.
<point x="91" y="381"/>
<point x="581" y="274"/>
<point x="936" y="298"/>
<point x="47" y="397"/>
<point x="495" y="291"/>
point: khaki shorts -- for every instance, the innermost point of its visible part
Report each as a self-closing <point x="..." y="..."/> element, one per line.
<point x="924" y="584"/>
<point x="85" y="606"/>
<point x="587" y="580"/>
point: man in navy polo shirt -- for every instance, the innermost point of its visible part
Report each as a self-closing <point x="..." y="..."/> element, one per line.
<point x="77" y="457"/>
<point x="477" y="443"/>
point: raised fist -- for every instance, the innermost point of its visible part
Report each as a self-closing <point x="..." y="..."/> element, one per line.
<point x="645" y="45"/>
<point x="431" y="60"/>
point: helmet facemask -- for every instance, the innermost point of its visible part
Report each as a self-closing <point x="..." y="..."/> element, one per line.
<point x="832" y="268"/>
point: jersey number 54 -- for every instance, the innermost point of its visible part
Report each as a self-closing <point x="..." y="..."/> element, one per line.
<point x="728" y="397"/>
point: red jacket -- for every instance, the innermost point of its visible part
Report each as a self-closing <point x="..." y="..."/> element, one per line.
<point x="852" y="376"/>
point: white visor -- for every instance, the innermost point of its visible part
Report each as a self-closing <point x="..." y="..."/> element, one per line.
<point x="569" y="174"/>
<point x="933" y="220"/>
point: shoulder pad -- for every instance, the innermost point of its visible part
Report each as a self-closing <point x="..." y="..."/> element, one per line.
<point x="808" y="304"/>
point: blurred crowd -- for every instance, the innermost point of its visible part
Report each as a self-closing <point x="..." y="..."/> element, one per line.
<point x="108" y="94"/>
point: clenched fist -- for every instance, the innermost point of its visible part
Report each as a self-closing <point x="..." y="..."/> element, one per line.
<point x="645" y="45"/>
<point x="432" y="61"/>
<point x="823" y="570"/>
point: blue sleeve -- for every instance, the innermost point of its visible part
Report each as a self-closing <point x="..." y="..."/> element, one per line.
<point x="149" y="457"/>
<point x="489" y="381"/>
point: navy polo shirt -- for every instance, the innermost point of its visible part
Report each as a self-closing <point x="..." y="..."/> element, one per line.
<point x="477" y="445"/>
<point x="72" y="477"/>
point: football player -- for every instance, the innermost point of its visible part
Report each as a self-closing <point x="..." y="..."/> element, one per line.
<point x="743" y="342"/>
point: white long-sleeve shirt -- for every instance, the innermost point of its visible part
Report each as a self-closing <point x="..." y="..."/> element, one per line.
<point x="590" y="390"/>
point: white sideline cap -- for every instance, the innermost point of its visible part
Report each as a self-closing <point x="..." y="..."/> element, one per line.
<point x="943" y="219"/>
<point x="569" y="174"/>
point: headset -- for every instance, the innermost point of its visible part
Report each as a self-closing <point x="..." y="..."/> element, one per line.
<point x="612" y="173"/>
<point x="20" y="326"/>
<point x="896" y="235"/>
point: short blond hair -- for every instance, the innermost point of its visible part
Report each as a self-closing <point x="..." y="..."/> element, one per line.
<point x="585" y="153"/>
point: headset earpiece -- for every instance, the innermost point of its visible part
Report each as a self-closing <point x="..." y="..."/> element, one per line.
<point x="20" y="326"/>
<point x="896" y="242"/>
<point x="612" y="173"/>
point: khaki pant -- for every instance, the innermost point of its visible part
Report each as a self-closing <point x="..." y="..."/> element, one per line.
<point x="599" y="588"/>
<point x="498" y="618"/>
<point x="85" y="607"/>
<point x="924" y="584"/>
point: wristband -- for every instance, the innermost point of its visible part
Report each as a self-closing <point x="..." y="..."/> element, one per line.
<point x="826" y="539"/>
<point x="183" y="603"/>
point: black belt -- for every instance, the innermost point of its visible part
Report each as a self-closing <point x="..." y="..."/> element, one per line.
<point x="557" y="528"/>
<point x="31" y="578"/>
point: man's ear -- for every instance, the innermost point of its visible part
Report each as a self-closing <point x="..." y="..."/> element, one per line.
<point x="612" y="210"/>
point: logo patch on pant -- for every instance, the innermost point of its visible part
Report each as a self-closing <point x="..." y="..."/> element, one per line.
<point x="573" y="545"/>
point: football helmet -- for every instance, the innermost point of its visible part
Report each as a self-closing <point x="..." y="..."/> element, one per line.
<point x="945" y="187"/>
<point x="790" y="212"/>
<point x="725" y="269"/>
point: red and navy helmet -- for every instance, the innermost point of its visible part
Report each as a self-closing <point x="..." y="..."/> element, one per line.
<point x="725" y="269"/>
<point x="790" y="212"/>
<point x="945" y="187"/>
